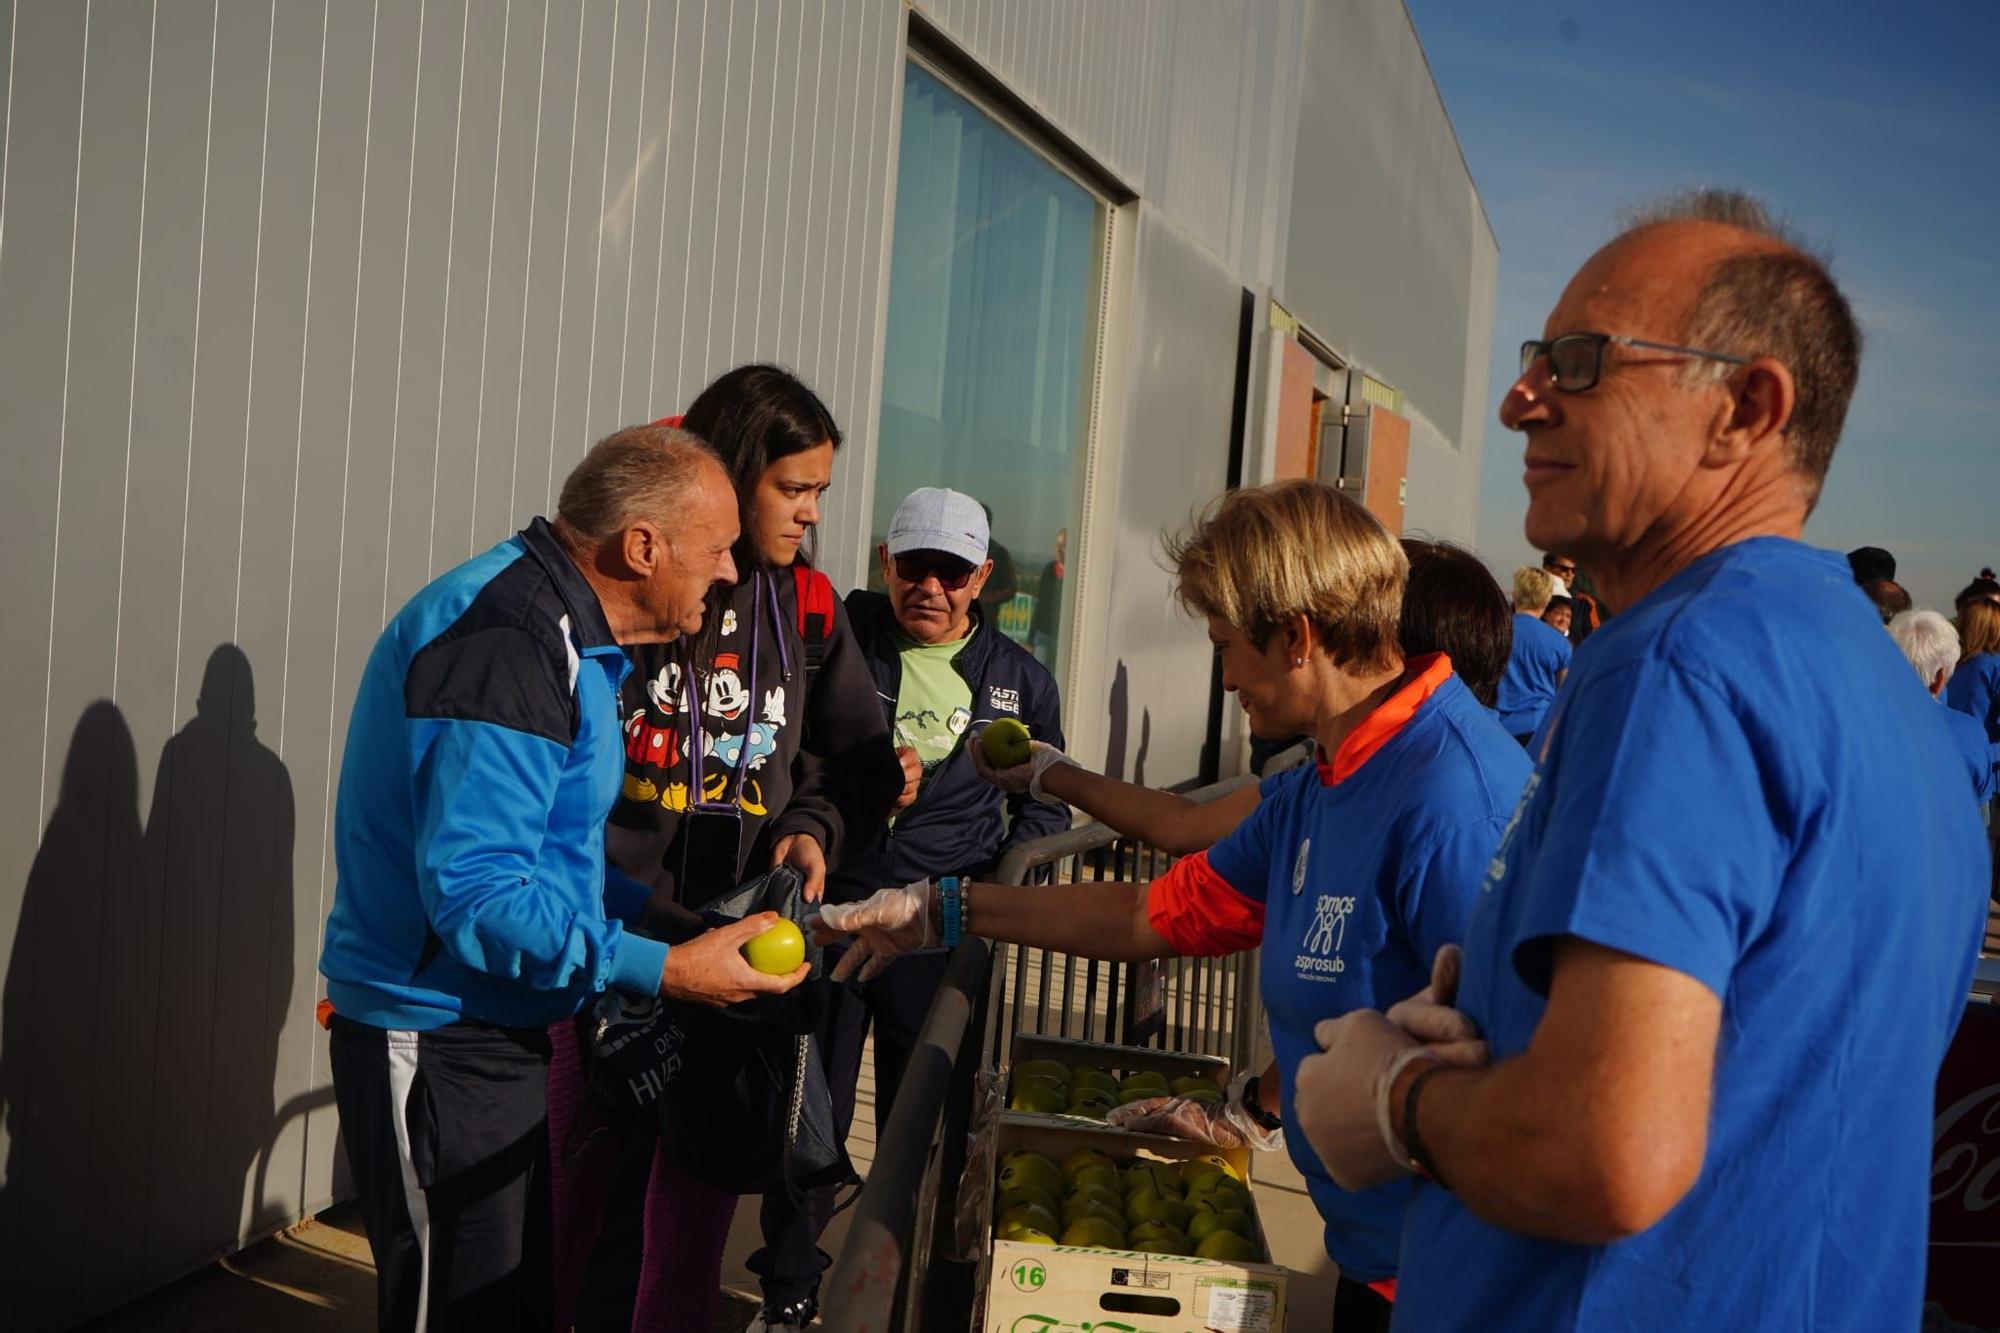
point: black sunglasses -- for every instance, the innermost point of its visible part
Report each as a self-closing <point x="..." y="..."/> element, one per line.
<point x="1576" y="360"/>
<point x="950" y="572"/>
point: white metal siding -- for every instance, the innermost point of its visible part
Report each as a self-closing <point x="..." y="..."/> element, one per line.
<point x="305" y="302"/>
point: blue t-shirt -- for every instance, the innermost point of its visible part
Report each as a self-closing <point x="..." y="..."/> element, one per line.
<point x="1528" y="685"/>
<point x="1361" y="883"/>
<point x="1742" y="783"/>
<point x="1975" y="688"/>
<point x="1971" y="740"/>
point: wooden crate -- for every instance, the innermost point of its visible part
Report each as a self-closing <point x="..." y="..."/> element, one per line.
<point x="1126" y="1059"/>
<point x="1061" y="1289"/>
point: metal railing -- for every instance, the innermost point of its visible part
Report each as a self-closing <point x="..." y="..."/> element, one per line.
<point x="894" y="1272"/>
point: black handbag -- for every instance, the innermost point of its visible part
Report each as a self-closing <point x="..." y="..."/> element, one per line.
<point x="748" y="1110"/>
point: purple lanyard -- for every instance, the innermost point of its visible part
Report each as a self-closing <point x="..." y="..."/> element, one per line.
<point x="693" y="686"/>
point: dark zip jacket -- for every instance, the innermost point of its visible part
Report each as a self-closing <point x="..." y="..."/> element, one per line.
<point x="792" y="759"/>
<point x="960" y="823"/>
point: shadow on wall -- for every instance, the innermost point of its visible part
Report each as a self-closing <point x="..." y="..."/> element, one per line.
<point x="1118" y="729"/>
<point x="143" y="1007"/>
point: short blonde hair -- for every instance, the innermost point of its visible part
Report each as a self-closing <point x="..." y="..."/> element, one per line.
<point x="639" y="473"/>
<point x="1534" y="588"/>
<point x="1259" y="556"/>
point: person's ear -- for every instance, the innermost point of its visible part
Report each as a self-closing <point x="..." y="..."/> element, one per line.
<point x="882" y="554"/>
<point x="1297" y="637"/>
<point x="979" y="577"/>
<point x="1762" y="398"/>
<point x="644" y="549"/>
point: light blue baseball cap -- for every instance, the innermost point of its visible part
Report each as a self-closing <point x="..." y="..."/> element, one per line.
<point x="932" y="518"/>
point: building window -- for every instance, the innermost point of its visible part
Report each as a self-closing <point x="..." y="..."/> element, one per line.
<point x="989" y="370"/>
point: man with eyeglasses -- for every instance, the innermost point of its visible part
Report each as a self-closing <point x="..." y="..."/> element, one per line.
<point x="1583" y="617"/>
<point x="941" y="669"/>
<point x="1716" y="996"/>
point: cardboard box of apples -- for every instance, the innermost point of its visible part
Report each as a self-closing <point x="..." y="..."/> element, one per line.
<point x="1096" y="1228"/>
<point x="1073" y="1081"/>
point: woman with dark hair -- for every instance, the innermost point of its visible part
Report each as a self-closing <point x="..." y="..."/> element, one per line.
<point x="757" y="743"/>
<point x="1453" y="605"/>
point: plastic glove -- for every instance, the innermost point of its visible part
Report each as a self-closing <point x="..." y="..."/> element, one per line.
<point x="1021" y="777"/>
<point x="1226" y="1124"/>
<point x="1342" y="1097"/>
<point x="1429" y="1017"/>
<point x="886" y="925"/>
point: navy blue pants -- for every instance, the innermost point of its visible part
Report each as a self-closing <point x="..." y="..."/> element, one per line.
<point x="447" y="1139"/>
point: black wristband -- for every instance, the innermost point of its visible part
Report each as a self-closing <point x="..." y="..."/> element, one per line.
<point x="1413" y="1141"/>
<point x="1254" y="1108"/>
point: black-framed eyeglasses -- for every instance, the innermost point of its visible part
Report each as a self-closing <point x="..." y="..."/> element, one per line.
<point x="1576" y="360"/>
<point x="951" y="572"/>
<point x="1562" y="569"/>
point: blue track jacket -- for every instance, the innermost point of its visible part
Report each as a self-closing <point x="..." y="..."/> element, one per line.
<point x="482" y="758"/>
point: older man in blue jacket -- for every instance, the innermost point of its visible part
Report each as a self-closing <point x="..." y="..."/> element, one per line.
<point x="941" y="670"/>
<point x="473" y="906"/>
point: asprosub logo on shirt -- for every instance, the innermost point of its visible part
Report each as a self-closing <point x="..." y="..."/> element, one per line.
<point x="1319" y="958"/>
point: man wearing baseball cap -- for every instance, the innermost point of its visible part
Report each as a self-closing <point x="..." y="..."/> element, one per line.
<point x="941" y="670"/>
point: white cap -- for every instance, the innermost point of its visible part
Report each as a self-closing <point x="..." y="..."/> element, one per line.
<point x="932" y="518"/>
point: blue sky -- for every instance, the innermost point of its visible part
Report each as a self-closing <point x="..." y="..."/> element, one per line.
<point x="1874" y="128"/>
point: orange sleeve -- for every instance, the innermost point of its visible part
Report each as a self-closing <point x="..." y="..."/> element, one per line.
<point x="1202" y="914"/>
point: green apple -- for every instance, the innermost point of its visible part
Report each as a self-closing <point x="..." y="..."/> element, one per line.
<point x="1089" y="1076"/>
<point x="1022" y="1167"/>
<point x="1089" y="1109"/>
<point x="1228" y="1246"/>
<point x="1189" y="1083"/>
<point x="1051" y="1069"/>
<point x="1161" y="1240"/>
<point x="1222" y="1164"/>
<point x="1203" y="1095"/>
<point x="1205" y="1223"/>
<point x="1094" y="1232"/>
<point x="1005" y="741"/>
<point x="1129" y="1095"/>
<point x="1145" y="1078"/>
<point x="1099" y="1173"/>
<point x="1021" y="1194"/>
<point x="1074" y="1212"/>
<point x="1094" y="1189"/>
<point x="1027" y="1236"/>
<point x="1148" y="1206"/>
<point x="1038" y="1097"/>
<point x="1028" y="1215"/>
<point x="778" y="950"/>
<point x="1082" y="1158"/>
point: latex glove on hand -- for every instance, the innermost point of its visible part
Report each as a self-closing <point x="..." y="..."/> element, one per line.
<point x="1021" y="777"/>
<point x="1226" y="1123"/>
<point x="1341" y="1098"/>
<point x="886" y="925"/>
<point x="1429" y="1017"/>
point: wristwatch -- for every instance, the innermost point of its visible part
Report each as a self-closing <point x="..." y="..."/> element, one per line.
<point x="1253" y="1107"/>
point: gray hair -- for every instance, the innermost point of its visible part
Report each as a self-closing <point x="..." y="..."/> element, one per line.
<point x="639" y="473"/>
<point x="1928" y="640"/>
<point x="1781" y="303"/>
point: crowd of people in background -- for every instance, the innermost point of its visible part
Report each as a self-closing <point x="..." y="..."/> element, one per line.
<point x="1535" y="921"/>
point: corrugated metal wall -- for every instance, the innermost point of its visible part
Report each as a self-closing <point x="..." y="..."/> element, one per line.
<point x="300" y="303"/>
